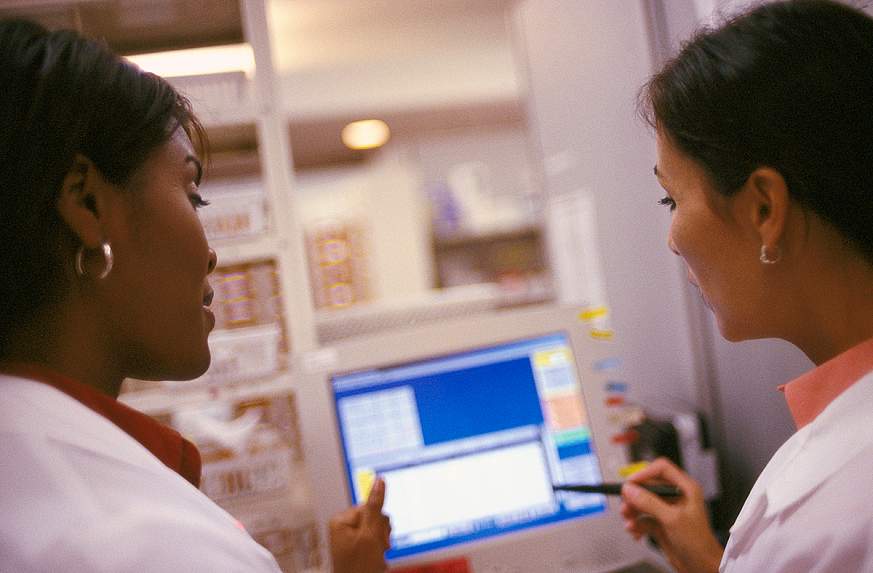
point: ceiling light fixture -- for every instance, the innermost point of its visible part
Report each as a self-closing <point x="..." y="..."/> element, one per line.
<point x="366" y="134"/>
<point x="198" y="61"/>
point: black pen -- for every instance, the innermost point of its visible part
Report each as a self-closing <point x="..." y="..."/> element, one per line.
<point x="666" y="491"/>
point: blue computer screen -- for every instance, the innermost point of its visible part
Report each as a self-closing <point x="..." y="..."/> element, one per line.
<point x="469" y="444"/>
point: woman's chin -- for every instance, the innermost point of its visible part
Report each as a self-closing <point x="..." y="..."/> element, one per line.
<point x="191" y="368"/>
<point x="203" y="364"/>
<point x="729" y="331"/>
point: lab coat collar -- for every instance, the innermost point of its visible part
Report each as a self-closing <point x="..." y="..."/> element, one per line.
<point x="825" y="446"/>
<point x="103" y="426"/>
<point x="812" y="455"/>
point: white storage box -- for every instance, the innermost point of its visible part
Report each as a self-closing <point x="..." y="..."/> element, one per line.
<point x="233" y="214"/>
<point x="243" y="354"/>
<point x="220" y="98"/>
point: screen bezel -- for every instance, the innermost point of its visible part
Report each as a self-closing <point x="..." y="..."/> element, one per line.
<point x="324" y="462"/>
<point x="564" y="338"/>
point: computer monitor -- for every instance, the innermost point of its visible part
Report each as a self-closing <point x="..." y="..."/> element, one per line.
<point x="470" y="422"/>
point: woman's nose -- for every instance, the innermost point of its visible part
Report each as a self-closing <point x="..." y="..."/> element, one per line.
<point x="671" y="245"/>
<point x="213" y="261"/>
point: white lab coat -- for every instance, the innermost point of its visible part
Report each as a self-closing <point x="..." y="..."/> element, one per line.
<point x="811" y="510"/>
<point x="78" y="494"/>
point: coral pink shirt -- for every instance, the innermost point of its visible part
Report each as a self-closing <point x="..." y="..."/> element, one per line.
<point x="164" y="443"/>
<point x="811" y="393"/>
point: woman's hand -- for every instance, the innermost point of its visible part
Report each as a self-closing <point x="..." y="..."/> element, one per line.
<point x="360" y="535"/>
<point x="680" y="527"/>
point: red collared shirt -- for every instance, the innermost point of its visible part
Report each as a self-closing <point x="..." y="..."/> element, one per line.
<point x="164" y="443"/>
<point x="808" y="395"/>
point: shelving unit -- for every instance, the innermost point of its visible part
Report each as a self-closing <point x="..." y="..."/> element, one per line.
<point x="512" y="258"/>
<point x="279" y="516"/>
<point x="261" y="283"/>
<point x="246" y="119"/>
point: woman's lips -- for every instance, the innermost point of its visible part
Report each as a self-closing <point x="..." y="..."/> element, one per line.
<point x="693" y="282"/>
<point x="691" y="278"/>
<point x="207" y="300"/>
<point x="210" y="317"/>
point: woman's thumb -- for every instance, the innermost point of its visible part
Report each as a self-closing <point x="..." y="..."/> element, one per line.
<point x="643" y="500"/>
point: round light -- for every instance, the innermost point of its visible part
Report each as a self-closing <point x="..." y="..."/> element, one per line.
<point x="366" y="134"/>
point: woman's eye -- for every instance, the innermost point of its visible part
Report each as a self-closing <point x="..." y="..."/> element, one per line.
<point x="668" y="201"/>
<point x="197" y="200"/>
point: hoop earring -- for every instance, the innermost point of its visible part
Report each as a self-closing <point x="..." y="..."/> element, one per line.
<point x="109" y="259"/>
<point x="772" y="257"/>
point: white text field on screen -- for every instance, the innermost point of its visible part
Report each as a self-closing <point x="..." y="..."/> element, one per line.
<point x="462" y="490"/>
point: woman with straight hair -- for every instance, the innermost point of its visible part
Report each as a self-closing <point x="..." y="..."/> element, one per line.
<point x="765" y="150"/>
<point x="104" y="268"/>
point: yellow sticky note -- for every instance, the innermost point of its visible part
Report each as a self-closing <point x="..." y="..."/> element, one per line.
<point x="551" y="357"/>
<point x="631" y="468"/>
<point x="593" y="312"/>
<point x="601" y="333"/>
<point x="365" y="480"/>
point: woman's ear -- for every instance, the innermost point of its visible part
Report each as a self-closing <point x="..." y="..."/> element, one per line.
<point x="79" y="201"/>
<point x="767" y="204"/>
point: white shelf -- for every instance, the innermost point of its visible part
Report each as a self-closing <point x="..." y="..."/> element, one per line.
<point x="220" y="99"/>
<point x="241" y="115"/>
<point x="236" y="251"/>
<point x="164" y="400"/>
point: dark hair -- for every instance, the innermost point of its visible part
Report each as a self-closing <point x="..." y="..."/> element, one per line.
<point x="64" y="95"/>
<point x="787" y="85"/>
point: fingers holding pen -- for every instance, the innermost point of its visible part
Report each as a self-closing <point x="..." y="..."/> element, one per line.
<point x="638" y="501"/>
<point x="647" y="514"/>
<point x="679" y="526"/>
<point x="663" y="470"/>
